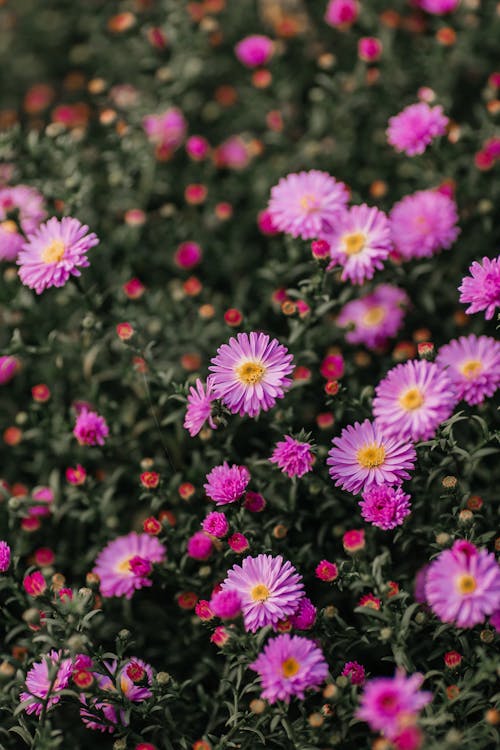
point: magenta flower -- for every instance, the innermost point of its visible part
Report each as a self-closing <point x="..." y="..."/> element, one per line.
<point x="226" y="484"/>
<point x="438" y="7"/>
<point x="473" y="365"/>
<point x="226" y="604"/>
<point x="481" y="290"/>
<point x="215" y="524"/>
<point x="199" y="409"/>
<point x="462" y="585"/>
<point x="359" y="241"/>
<point x="326" y="571"/>
<point x="4" y="556"/>
<point x="8" y="368"/>
<point x="385" y="506"/>
<point x="135" y="680"/>
<point x="424" y="223"/>
<point x="254" y="50"/>
<point x="364" y="455"/>
<point x="34" y="583"/>
<point x="388" y="704"/>
<point x="307" y="204"/>
<point x="415" y="127"/>
<point x="90" y="428"/>
<point x="305" y="615"/>
<point x="233" y="153"/>
<point x="289" y="665"/>
<point x="113" y="566"/>
<point x="293" y="457"/>
<point x="270" y="589"/>
<point x="413" y="400"/>
<point x="341" y="12"/>
<point x="54" y="252"/>
<point x="200" y="546"/>
<point x="355" y="672"/>
<point x="376" y="317"/>
<point x="29" y="205"/>
<point x="166" y="130"/>
<point x="41" y="686"/>
<point x="250" y="373"/>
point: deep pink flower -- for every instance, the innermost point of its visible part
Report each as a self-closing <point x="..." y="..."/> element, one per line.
<point x="226" y="484"/>
<point x="35" y="584"/>
<point x="90" y="428"/>
<point x="289" y="665"/>
<point x="8" y="368"/>
<point x="481" y="290"/>
<point x="376" y="317"/>
<point x="266" y="224"/>
<point x="254" y="502"/>
<point x="254" y="50"/>
<point x="293" y="457"/>
<point x="197" y="147"/>
<point x="203" y="610"/>
<point x="200" y="546"/>
<point x="424" y="223"/>
<point x="199" y="409"/>
<point x="326" y="571"/>
<point x="188" y="254"/>
<point x="238" y="542"/>
<point x="226" y="604"/>
<point x="438" y="7"/>
<point x="4" y="556"/>
<point x="341" y="12"/>
<point x="369" y="49"/>
<point x="215" y="524"/>
<point x="415" y="127"/>
<point x="332" y="366"/>
<point x="389" y="703"/>
<point x="42" y="688"/>
<point x="355" y="672"/>
<point x="220" y="636"/>
<point x="385" y="506"/>
<point x="305" y="615"/>
<point x="354" y="540"/>
<point x="473" y="365"/>
<point x="166" y="130"/>
<point x="233" y="153"/>
<point x="29" y="205"/>
<point x="113" y="567"/>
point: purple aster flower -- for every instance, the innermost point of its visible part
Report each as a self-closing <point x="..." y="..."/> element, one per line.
<point x="424" y="223"/>
<point x="413" y="400"/>
<point x="289" y="665"/>
<point x="254" y="50"/>
<point x="293" y="458"/>
<point x="307" y="204"/>
<point x="473" y="365"/>
<point x="135" y="680"/>
<point x="355" y="672"/>
<point x="415" y="127"/>
<point x="481" y="290"/>
<point x="113" y="566"/>
<point x="199" y="408"/>
<point x="4" y="556"/>
<point x="269" y="587"/>
<point x="40" y="683"/>
<point x="364" y="455"/>
<point x="388" y="703"/>
<point x="8" y="368"/>
<point x="166" y="130"/>
<point x="226" y="484"/>
<point x="29" y="205"/>
<point x="250" y="373"/>
<point x="54" y="252"/>
<point x="360" y="241"/>
<point x="385" y="506"/>
<point x="305" y="616"/>
<point x="376" y="317"/>
<point x="463" y="585"/>
<point x="215" y="524"/>
<point x="200" y="546"/>
<point x="226" y="604"/>
<point x="90" y="428"/>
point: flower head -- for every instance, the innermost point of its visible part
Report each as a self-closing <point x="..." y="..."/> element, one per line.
<point x="254" y="50"/>
<point x="226" y="604"/>
<point x="388" y="703"/>
<point x="131" y="674"/>
<point x="438" y="7"/>
<point x="9" y="366"/>
<point x="424" y="223"/>
<point x="481" y="290"/>
<point x="42" y="687"/>
<point x="54" y="252"/>
<point x="226" y="484"/>
<point x="250" y="373"/>
<point x="4" y="556"/>
<point x="113" y="563"/>
<point x="415" y="127"/>
<point x="29" y="205"/>
<point x="413" y="400"/>
<point x="215" y="524"/>
<point x="199" y="408"/>
<point x="462" y="585"/>
<point x="293" y="457"/>
<point x="307" y="204"/>
<point x="326" y="571"/>
<point x="166" y="130"/>
<point x="376" y="317"/>
<point x="269" y="587"/>
<point x="385" y="506"/>
<point x="364" y="455"/>
<point x="355" y="672"/>
<point x="289" y="665"/>
<point x="473" y="365"/>
<point x="90" y="428"/>
<point x="341" y="13"/>
<point x="200" y="546"/>
<point x="305" y="615"/>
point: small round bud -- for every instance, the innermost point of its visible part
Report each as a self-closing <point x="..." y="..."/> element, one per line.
<point x="257" y="706"/>
<point x="465" y="517"/>
<point x="330" y="692"/>
<point x="163" y="678"/>
<point x="492" y="717"/>
<point x="449" y="482"/>
<point x="443" y="539"/>
<point x="487" y="636"/>
<point x="124" y="634"/>
<point x="315" y="720"/>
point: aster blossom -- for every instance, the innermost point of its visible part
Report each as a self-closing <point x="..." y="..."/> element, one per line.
<point x="166" y="130"/>
<point x="415" y="127"/>
<point x="364" y="455"/>
<point x="438" y="7"/>
<point x="41" y="686"/>
<point x="126" y="562"/>
<point x="473" y="365"/>
<point x="462" y="585"/>
<point x="424" y="223"/>
<point x="199" y="409"/>
<point x="388" y="703"/>
<point x="270" y="589"/>
<point x="307" y="204"/>
<point x="226" y="484"/>
<point x="289" y="665"/>
<point x="481" y="290"/>
<point x="384" y="506"/>
<point x="4" y="556"/>
<point x="413" y="400"/>
<point x="54" y="252"/>
<point x="374" y="318"/>
<point x="90" y="428"/>
<point x="359" y="242"/>
<point x="250" y="373"/>
<point x="293" y="457"/>
<point x="29" y="205"/>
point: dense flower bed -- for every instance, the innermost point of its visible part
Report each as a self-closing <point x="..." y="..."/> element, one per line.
<point x="249" y="292"/>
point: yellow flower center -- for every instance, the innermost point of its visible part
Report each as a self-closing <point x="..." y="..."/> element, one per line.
<point x="309" y="203"/>
<point x="466" y="584"/>
<point x="250" y="373"/>
<point x="9" y="226"/>
<point x="353" y="243"/>
<point x="290" y="667"/>
<point x="411" y="399"/>
<point x="54" y="252"/>
<point x="471" y="368"/>
<point x="370" y="456"/>
<point x="374" y="316"/>
<point x="260" y="593"/>
<point x="124" y="566"/>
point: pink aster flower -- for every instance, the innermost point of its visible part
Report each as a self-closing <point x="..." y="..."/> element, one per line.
<point x="438" y="7"/>
<point x="482" y="288"/>
<point x="388" y="703"/>
<point x="269" y="587"/>
<point x="473" y="366"/>
<point x="41" y="686"/>
<point x="226" y="484"/>
<point x="355" y="672"/>
<point x="54" y="252"/>
<point x="233" y="153"/>
<point x="113" y="563"/>
<point x="250" y="373"/>
<point x="289" y="665"/>
<point x="341" y="12"/>
<point x="415" y="127"/>
<point x="215" y="524"/>
<point x="359" y="242"/>
<point x="305" y="615"/>
<point x="238" y="543"/>
<point x="413" y="400"/>
<point x="199" y="408"/>
<point x="424" y="223"/>
<point x="8" y="368"/>
<point x="135" y="679"/>
<point x="385" y="506"/>
<point x="254" y="50"/>
<point x="307" y="204"/>
<point x="90" y="428"/>
<point x="4" y="556"/>
<point x="200" y="546"/>
<point x="326" y="571"/>
<point x="293" y="457"/>
<point x="374" y="318"/>
<point x="28" y="203"/>
<point x="364" y="455"/>
<point x="462" y="585"/>
<point x="226" y="604"/>
<point x="166" y="130"/>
